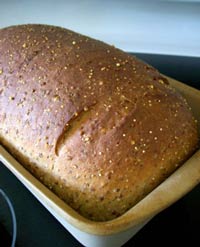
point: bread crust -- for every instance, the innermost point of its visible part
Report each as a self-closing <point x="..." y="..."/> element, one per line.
<point x="98" y="126"/>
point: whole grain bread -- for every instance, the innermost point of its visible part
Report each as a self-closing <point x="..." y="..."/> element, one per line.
<point x="97" y="126"/>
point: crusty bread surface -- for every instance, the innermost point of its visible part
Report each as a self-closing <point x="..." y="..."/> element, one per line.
<point x="97" y="126"/>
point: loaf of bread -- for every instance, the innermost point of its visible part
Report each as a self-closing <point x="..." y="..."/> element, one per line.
<point x="97" y="126"/>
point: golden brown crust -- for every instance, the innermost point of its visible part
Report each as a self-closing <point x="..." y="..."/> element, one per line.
<point x="99" y="127"/>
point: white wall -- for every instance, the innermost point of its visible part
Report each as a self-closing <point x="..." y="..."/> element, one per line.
<point x="165" y="27"/>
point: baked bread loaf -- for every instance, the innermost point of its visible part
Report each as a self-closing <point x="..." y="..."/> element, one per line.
<point x="97" y="126"/>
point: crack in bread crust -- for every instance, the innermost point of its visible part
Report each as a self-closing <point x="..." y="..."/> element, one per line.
<point x="71" y="126"/>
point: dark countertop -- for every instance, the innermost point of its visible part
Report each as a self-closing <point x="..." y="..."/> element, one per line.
<point x="177" y="224"/>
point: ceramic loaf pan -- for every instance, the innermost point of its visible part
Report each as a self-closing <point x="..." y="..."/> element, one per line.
<point x="118" y="231"/>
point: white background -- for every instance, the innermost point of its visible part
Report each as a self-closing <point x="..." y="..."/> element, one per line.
<point x="163" y="27"/>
